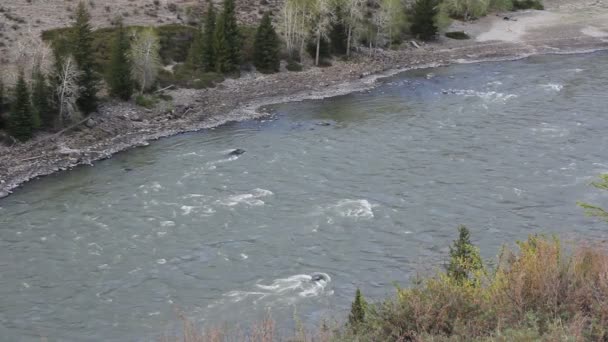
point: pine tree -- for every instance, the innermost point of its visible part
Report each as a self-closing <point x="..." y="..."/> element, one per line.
<point x="337" y="33"/>
<point x="120" y="81"/>
<point x="227" y="41"/>
<point x="357" y="310"/>
<point x="266" y="47"/>
<point x="41" y="100"/>
<point x="464" y="257"/>
<point x="424" y="13"/>
<point x="21" y="121"/>
<point x="83" y="55"/>
<point x="195" y="54"/>
<point x="209" y="58"/>
<point x="2" y="104"/>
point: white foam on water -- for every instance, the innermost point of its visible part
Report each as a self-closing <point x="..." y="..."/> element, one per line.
<point x="550" y="131"/>
<point x="252" y="199"/>
<point x="288" y="289"/>
<point x="167" y="224"/>
<point x="161" y="261"/>
<point x="186" y="209"/>
<point x="553" y="86"/>
<point x="488" y="96"/>
<point x="244" y="256"/>
<point x="358" y="209"/>
<point x="212" y="164"/>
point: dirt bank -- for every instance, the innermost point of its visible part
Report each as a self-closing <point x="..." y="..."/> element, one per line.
<point x="119" y="126"/>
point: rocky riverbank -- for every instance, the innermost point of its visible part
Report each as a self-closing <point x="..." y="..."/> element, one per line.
<point x="119" y="126"/>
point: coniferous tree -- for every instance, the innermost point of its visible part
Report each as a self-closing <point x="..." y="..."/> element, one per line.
<point x="266" y="47"/>
<point x="209" y="58"/>
<point x="83" y="55"/>
<point x="423" y="14"/>
<point x="21" y="120"/>
<point x="357" y="310"/>
<point x="227" y="41"/>
<point x="195" y="54"/>
<point x="338" y="33"/>
<point x="120" y="81"/>
<point x="464" y="257"/>
<point x="2" y="104"/>
<point x="44" y="115"/>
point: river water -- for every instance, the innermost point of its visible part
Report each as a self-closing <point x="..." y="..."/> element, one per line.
<point x="112" y="252"/>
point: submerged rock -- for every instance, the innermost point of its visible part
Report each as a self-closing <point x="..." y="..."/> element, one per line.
<point x="318" y="277"/>
<point x="236" y="152"/>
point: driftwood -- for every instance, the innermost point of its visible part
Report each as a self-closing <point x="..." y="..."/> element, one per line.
<point x="165" y="88"/>
<point x="32" y="158"/>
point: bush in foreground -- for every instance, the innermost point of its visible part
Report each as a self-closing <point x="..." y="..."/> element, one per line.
<point x="536" y="293"/>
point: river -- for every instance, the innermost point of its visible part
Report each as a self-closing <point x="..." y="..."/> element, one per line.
<point x="366" y="189"/>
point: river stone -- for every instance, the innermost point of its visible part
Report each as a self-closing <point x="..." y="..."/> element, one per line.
<point x="90" y="123"/>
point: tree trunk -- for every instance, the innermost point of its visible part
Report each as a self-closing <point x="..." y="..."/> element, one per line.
<point x="318" y="49"/>
<point x="350" y="32"/>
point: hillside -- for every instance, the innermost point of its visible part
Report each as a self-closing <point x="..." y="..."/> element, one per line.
<point x="20" y="20"/>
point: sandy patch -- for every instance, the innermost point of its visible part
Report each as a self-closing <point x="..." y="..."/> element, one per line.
<point x="515" y="29"/>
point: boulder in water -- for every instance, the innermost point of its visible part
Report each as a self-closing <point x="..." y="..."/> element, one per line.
<point x="318" y="277"/>
<point x="236" y="152"/>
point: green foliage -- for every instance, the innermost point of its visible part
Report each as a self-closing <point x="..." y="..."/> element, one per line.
<point x="460" y="35"/>
<point x="207" y="52"/>
<point x="593" y="210"/>
<point x="119" y="74"/>
<point x="195" y="54"/>
<point x="466" y="9"/>
<point x="21" y="119"/>
<point x="82" y="50"/>
<point x="227" y="41"/>
<point x="292" y="65"/>
<point x="423" y="16"/>
<point x="266" y="47"/>
<point x="528" y="4"/>
<point x="357" y="311"/>
<point x="175" y="41"/>
<point x="337" y="34"/>
<point x="537" y="293"/>
<point x="324" y="49"/>
<point x="43" y="111"/>
<point x="464" y="258"/>
<point x="146" y="101"/>
<point x="2" y="104"/>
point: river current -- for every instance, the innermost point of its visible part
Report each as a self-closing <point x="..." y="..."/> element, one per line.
<point x="364" y="190"/>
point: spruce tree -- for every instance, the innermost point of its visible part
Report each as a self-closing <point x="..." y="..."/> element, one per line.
<point x="266" y="47"/>
<point x="21" y="120"/>
<point x="357" y="310"/>
<point x="209" y="59"/>
<point x="464" y="257"/>
<point x="195" y="54"/>
<point x="2" y="104"/>
<point x="337" y="34"/>
<point x="120" y="81"/>
<point x="41" y="100"/>
<point x="83" y="55"/>
<point x="423" y="14"/>
<point x="227" y="41"/>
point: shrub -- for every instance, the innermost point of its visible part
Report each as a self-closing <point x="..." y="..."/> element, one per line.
<point x="146" y="101"/>
<point x="292" y="65"/>
<point x="460" y="35"/>
<point x="528" y="4"/>
<point x="424" y="14"/>
<point x="538" y="292"/>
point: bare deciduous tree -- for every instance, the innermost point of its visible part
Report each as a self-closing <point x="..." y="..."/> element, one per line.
<point x="354" y="9"/>
<point x="296" y="23"/>
<point x="323" y="18"/>
<point x="67" y="89"/>
<point x="145" y="58"/>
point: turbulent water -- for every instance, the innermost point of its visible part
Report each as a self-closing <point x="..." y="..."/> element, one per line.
<point x="311" y="211"/>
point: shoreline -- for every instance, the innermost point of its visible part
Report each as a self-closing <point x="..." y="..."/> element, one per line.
<point x="121" y="126"/>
